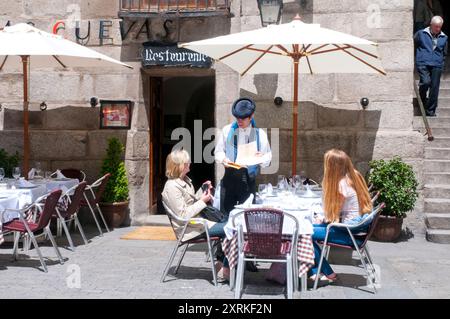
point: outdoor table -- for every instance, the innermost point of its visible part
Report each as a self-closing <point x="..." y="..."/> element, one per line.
<point x="300" y="207"/>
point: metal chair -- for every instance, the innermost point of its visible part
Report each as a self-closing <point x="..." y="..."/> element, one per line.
<point x="65" y="214"/>
<point x="74" y="173"/>
<point x="184" y="223"/>
<point x="21" y="226"/>
<point x="264" y="243"/>
<point x="93" y="200"/>
<point x="359" y="243"/>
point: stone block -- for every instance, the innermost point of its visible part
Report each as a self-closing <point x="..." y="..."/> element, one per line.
<point x="62" y="145"/>
<point x="344" y="6"/>
<point x="394" y="86"/>
<point x="388" y="143"/>
<point x="72" y="118"/>
<point x="376" y="26"/>
<point x="332" y="118"/>
<point x="227" y="87"/>
<point x="319" y="88"/>
<point x="98" y="142"/>
<point x="12" y="141"/>
<point x="139" y="146"/>
<point x="396" y="115"/>
<point x="13" y="119"/>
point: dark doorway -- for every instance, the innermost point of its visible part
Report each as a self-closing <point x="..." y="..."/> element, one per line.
<point x="178" y="101"/>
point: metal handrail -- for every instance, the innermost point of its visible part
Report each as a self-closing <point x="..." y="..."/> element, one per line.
<point x="424" y="116"/>
<point x="177" y="6"/>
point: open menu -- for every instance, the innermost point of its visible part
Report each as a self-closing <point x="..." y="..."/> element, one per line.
<point x="246" y="156"/>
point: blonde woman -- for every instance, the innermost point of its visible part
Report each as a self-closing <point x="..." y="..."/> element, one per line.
<point x="180" y="196"/>
<point x="346" y="199"/>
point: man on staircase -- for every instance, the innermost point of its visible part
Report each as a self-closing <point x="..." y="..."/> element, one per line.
<point x="431" y="51"/>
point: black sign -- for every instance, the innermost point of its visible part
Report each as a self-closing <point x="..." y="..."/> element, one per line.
<point x="172" y="55"/>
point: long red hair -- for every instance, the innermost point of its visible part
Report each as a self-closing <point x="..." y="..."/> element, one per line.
<point x="337" y="165"/>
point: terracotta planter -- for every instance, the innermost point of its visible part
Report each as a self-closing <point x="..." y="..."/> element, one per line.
<point x="115" y="213"/>
<point x="388" y="228"/>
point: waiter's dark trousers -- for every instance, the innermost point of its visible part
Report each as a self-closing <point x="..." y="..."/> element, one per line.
<point x="236" y="187"/>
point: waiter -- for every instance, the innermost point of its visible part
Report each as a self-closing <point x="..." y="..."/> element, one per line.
<point x="238" y="184"/>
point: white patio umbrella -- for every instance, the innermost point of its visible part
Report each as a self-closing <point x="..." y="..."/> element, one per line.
<point x="294" y="47"/>
<point x="25" y="45"/>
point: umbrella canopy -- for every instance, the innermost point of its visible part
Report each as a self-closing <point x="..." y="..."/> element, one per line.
<point x="46" y="50"/>
<point x="294" y="47"/>
<point x="23" y="45"/>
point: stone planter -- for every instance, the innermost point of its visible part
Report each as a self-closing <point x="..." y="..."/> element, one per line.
<point x="388" y="228"/>
<point x="115" y="213"/>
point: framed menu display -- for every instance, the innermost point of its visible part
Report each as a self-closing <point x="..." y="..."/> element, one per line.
<point x="115" y="114"/>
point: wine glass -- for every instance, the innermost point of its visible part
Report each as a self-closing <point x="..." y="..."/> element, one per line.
<point x="38" y="169"/>
<point x="2" y="173"/>
<point x="281" y="185"/>
<point x="262" y="191"/>
<point x="296" y="182"/>
<point x="48" y="175"/>
<point x="16" y="173"/>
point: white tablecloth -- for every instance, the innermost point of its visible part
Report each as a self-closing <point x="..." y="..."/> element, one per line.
<point x="20" y="197"/>
<point x="301" y="208"/>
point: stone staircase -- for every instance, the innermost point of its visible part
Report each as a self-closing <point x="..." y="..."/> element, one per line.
<point x="436" y="170"/>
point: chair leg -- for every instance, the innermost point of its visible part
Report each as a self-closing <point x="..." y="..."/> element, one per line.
<point x="369" y="277"/>
<point x="102" y="217"/>
<point x="55" y="246"/>
<point x="289" y="275"/>
<point x="69" y="237"/>
<point x="232" y="278"/>
<point x="172" y="256"/>
<point x="181" y="258"/>
<point x="78" y="225"/>
<point x="319" y="269"/>
<point x="305" y="283"/>
<point x="58" y="227"/>
<point x="16" y="245"/>
<point x="33" y="240"/>
<point x="328" y="248"/>
<point x="213" y="267"/>
<point x="93" y="215"/>
<point x="240" y="277"/>
<point x="369" y="259"/>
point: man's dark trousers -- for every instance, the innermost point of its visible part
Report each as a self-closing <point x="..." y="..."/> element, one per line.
<point x="430" y="79"/>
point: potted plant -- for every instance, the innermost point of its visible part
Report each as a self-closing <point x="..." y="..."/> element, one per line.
<point x="397" y="184"/>
<point x="114" y="203"/>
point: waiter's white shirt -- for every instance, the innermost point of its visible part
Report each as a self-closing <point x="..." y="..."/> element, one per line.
<point x="244" y="137"/>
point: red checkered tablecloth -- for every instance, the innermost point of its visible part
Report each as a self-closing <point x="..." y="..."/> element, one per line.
<point x="305" y="252"/>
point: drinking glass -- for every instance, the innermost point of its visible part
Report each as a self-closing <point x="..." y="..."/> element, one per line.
<point x="38" y="169"/>
<point x="281" y="182"/>
<point x="48" y="175"/>
<point x="2" y="173"/>
<point x="262" y="191"/>
<point x="16" y="173"/>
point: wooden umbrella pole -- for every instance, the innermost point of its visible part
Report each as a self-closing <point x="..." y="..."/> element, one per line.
<point x="26" y="137"/>
<point x="295" y="117"/>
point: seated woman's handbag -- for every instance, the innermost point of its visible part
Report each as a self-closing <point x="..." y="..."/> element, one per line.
<point x="211" y="213"/>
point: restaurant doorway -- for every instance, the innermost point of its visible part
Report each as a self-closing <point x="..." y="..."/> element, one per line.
<point x="178" y="101"/>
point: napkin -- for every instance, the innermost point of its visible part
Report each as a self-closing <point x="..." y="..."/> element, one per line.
<point x="59" y="175"/>
<point x="25" y="183"/>
<point x="248" y="202"/>
<point x="31" y="173"/>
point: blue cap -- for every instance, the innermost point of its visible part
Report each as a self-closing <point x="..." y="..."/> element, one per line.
<point x="243" y="108"/>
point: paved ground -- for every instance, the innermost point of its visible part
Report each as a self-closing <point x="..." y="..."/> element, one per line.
<point x="113" y="268"/>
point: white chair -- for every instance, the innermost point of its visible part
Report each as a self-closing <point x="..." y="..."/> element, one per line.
<point x="184" y="223"/>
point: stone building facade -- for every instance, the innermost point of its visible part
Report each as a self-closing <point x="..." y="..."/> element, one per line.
<point x="330" y="115"/>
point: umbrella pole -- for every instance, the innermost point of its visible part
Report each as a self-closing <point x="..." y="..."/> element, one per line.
<point x="26" y="137"/>
<point x="295" y="117"/>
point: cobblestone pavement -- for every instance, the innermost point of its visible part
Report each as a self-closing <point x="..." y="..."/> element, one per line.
<point x="113" y="268"/>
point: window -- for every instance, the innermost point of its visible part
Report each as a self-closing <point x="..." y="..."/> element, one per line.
<point x="174" y="6"/>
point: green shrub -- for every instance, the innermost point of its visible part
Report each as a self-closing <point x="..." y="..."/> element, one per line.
<point x="397" y="184"/>
<point x="117" y="187"/>
<point x="8" y="162"/>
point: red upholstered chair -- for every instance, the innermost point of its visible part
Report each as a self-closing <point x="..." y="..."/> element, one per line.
<point x="69" y="212"/>
<point x="263" y="242"/>
<point x="92" y="197"/>
<point x="21" y="226"/>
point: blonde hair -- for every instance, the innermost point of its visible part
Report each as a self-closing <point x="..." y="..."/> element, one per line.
<point x="175" y="163"/>
<point x="337" y="165"/>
